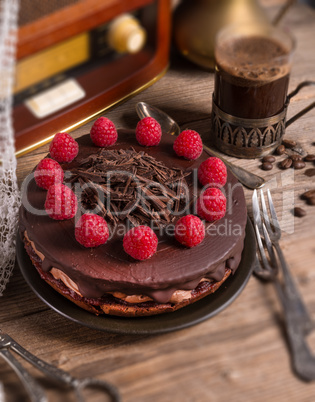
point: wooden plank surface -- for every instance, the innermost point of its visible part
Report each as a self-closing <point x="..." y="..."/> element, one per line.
<point x="240" y="354"/>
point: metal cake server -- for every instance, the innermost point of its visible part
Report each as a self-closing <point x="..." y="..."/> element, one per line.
<point x="168" y="125"/>
<point x="35" y="391"/>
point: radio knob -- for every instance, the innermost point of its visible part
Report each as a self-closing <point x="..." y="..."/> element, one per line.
<point x="126" y="35"/>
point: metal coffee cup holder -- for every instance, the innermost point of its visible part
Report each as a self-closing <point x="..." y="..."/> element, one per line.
<point x="253" y="138"/>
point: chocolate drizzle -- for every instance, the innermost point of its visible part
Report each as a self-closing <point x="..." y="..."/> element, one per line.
<point x="125" y="184"/>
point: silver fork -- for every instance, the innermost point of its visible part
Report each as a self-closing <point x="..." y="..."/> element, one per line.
<point x="269" y="227"/>
<point x="297" y="319"/>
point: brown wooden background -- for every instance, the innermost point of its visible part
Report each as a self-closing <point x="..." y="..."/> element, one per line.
<point x="239" y="355"/>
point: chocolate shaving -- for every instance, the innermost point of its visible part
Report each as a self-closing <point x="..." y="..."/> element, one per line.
<point x="129" y="185"/>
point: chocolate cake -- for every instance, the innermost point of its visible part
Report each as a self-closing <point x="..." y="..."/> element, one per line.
<point x="105" y="279"/>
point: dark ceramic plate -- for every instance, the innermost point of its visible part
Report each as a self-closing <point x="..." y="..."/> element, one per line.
<point x="185" y="317"/>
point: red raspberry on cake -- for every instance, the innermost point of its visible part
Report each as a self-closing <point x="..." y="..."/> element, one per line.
<point x="47" y="173"/>
<point x="63" y="148"/>
<point x="103" y="132"/>
<point x="91" y="230"/>
<point x="140" y="242"/>
<point x="211" y="204"/>
<point x="212" y="171"/>
<point x="148" y="132"/>
<point x="188" y="145"/>
<point x="189" y="231"/>
<point x="61" y="202"/>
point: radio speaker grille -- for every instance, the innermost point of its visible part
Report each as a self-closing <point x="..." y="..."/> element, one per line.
<point x="32" y="10"/>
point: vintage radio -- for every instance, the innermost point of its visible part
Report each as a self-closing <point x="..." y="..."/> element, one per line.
<point x="77" y="58"/>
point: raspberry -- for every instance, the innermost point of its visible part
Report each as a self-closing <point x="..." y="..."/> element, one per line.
<point x="103" y="132"/>
<point x="212" y="171"/>
<point x="211" y="204"/>
<point x="148" y="132"/>
<point x="47" y="173"/>
<point x="188" y="144"/>
<point x="91" y="230"/>
<point x="61" y="202"/>
<point x="140" y="242"/>
<point x="189" y="230"/>
<point x="63" y="148"/>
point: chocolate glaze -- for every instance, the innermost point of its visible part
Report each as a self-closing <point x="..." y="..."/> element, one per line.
<point x="108" y="268"/>
<point x="109" y="304"/>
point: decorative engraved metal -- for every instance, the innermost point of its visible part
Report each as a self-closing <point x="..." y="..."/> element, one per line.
<point x="247" y="137"/>
<point x="34" y="389"/>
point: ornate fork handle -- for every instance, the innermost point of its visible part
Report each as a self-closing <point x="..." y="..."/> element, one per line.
<point x="293" y="295"/>
<point x="54" y="372"/>
<point x="51" y="371"/>
<point x="34" y="390"/>
<point x="62" y="376"/>
<point x="302" y="359"/>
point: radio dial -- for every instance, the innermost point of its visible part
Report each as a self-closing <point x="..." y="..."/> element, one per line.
<point x="126" y="35"/>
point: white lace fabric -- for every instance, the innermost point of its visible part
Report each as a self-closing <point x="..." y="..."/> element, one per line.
<point x="9" y="191"/>
<point x="1" y="393"/>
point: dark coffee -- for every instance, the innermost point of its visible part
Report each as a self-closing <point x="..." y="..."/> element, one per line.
<point x="251" y="77"/>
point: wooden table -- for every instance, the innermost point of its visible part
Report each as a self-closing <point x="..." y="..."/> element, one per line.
<point x="240" y="354"/>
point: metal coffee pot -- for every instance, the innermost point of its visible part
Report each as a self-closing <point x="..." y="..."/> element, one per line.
<point x="196" y="23"/>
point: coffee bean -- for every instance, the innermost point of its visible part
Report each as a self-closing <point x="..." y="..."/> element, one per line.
<point x="298" y="164"/>
<point x="311" y="201"/>
<point x="309" y="158"/>
<point x="267" y="166"/>
<point x="308" y="194"/>
<point x="268" y="158"/>
<point x="310" y="172"/>
<point x="286" y="163"/>
<point x="297" y="211"/>
<point x="280" y="150"/>
<point x="289" y="143"/>
<point x="295" y="157"/>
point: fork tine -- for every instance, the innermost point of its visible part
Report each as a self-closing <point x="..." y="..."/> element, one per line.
<point x="264" y="269"/>
<point x="270" y="249"/>
<point x="261" y="248"/>
<point x="265" y="212"/>
<point x="275" y="221"/>
<point x="256" y="211"/>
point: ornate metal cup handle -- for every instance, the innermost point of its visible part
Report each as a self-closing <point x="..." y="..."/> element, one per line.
<point x="306" y="109"/>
